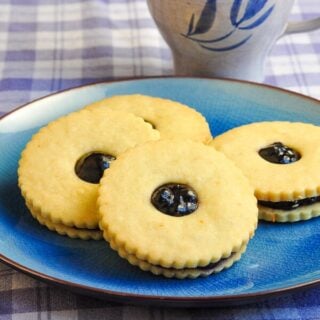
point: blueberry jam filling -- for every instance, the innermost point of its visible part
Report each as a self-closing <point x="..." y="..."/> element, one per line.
<point x="175" y="199"/>
<point x="289" y="205"/>
<point x="90" y="167"/>
<point x="279" y="153"/>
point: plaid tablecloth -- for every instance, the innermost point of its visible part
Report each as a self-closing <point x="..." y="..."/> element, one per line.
<point x="46" y="46"/>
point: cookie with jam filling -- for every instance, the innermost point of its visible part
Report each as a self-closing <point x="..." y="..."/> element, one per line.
<point x="177" y="208"/>
<point x="60" y="168"/>
<point x="172" y="119"/>
<point x="281" y="160"/>
<point x="64" y="230"/>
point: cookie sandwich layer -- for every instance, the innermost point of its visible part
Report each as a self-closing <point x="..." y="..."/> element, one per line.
<point x="207" y="210"/>
<point x="47" y="173"/>
<point x="281" y="160"/>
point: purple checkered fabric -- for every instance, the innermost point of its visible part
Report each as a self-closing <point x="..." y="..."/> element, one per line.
<point x="46" y="46"/>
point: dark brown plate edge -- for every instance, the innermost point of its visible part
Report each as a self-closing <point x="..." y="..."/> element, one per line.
<point x="163" y="301"/>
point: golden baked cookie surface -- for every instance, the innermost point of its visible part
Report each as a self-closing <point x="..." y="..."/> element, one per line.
<point x="272" y="181"/>
<point x="46" y="172"/>
<point x="172" y="119"/>
<point x="71" y="232"/>
<point x="224" y="221"/>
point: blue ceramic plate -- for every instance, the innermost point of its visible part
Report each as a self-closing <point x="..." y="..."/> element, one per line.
<point x="280" y="258"/>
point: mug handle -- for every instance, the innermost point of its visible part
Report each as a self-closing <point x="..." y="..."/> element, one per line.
<point x="302" y="26"/>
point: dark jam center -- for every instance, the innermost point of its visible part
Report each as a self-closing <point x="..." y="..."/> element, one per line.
<point x="279" y="153"/>
<point x="175" y="199"/>
<point x="289" y="205"/>
<point x="90" y="167"/>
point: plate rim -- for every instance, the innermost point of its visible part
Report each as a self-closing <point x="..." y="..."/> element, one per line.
<point x="169" y="301"/>
<point x="129" y="79"/>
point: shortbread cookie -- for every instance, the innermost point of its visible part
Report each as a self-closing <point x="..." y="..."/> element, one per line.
<point x="282" y="161"/>
<point x="71" y="232"/>
<point x="172" y="119"/>
<point x="183" y="273"/>
<point x="300" y="213"/>
<point x="177" y="208"/>
<point x="53" y="170"/>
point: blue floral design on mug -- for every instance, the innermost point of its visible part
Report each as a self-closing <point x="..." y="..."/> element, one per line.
<point x="254" y="14"/>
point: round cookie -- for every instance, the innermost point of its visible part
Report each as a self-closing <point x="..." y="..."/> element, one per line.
<point x="282" y="161"/>
<point x="172" y="119"/>
<point x="177" y="208"/>
<point x="71" y="232"/>
<point x="183" y="273"/>
<point x="54" y="192"/>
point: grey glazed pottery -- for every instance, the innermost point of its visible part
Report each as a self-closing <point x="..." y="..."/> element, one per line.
<point x="224" y="38"/>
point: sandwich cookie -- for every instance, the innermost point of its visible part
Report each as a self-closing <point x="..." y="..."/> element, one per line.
<point x="177" y="208"/>
<point x="60" y="168"/>
<point x="282" y="162"/>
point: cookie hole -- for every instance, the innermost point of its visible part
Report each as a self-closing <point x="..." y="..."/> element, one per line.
<point x="175" y="199"/>
<point x="279" y="153"/>
<point x="90" y="166"/>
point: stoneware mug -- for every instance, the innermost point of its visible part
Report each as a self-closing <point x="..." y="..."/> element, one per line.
<point x="224" y="38"/>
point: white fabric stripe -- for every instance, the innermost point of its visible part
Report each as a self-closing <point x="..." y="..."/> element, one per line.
<point x="280" y="67"/>
<point x="18" y="69"/>
<point x="72" y="11"/>
<point x="73" y="34"/>
<point x="5" y="13"/>
<point x="72" y="39"/>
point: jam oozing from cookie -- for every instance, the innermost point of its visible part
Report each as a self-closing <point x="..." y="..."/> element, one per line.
<point x="289" y="205"/>
<point x="175" y="199"/>
<point x="90" y="167"/>
<point x="279" y="153"/>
